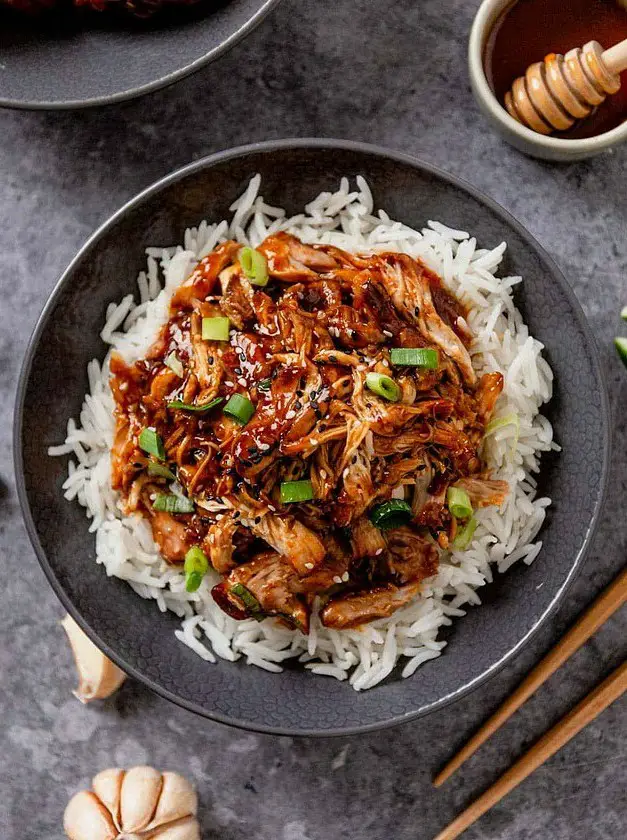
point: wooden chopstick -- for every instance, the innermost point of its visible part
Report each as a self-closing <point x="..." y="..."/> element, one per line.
<point x="605" y="605"/>
<point x="589" y="708"/>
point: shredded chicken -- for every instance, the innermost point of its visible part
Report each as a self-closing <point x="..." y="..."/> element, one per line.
<point x="374" y="516"/>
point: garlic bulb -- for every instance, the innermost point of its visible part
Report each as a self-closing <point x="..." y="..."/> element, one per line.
<point x="98" y="677"/>
<point x="139" y="803"/>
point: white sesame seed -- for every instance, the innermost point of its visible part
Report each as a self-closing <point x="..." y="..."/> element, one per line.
<point x="323" y="474"/>
<point x="219" y="517"/>
<point x="264" y="446"/>
<point x="290" y="414"/>
<point x="309" y="565"/>
<point x="229" y="384"/>
<point x="345" y="473"/>
<point x="345" y="577"/>
<point x="388" y="333"/>
<point x="378" y="551"/>
<point x="273" y="509"/>
<point x="313" y="441"/>
<point x="337" y="579"/>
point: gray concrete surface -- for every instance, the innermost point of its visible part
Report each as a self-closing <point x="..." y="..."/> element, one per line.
<point x="389" y="73"/>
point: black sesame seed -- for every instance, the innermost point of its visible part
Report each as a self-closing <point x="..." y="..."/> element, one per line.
<point x="333" y="359"/>
<point x="236" y="514"/>
<point x="354" y="459"/>
<point x="322" y="427"/>
<point x="298" y="405"/>
<point x="211" y="360"/>
<point x="237" y="371"/>
<point x="242" y="357"/>
<point x="257" y="520"/>
<point x="299" y="393"/>
<point x="417" y="311"/>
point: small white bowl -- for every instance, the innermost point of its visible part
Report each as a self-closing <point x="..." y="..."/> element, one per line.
<point x="528" y="141"/>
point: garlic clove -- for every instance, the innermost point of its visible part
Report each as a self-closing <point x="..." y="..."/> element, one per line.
<point x="86" y="818"/>
<point x="185" y="829"/>
<point x="98" y="676"/>
<point x="178" y="799"/>
<point x="107" y="786"/>
<point x="141" y="787"/>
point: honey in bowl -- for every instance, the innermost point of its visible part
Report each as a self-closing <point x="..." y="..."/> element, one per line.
<point x="528" y="30"/>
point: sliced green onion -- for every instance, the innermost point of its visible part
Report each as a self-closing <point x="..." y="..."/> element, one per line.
<point x="192" y="581"/>
<point x="170" y="503"/>
<point x="296" y="491"/>
<point x="501" y="422"/>
<point x="264" y="385"/>
<point x="424" y="357"/>
<point x="458" y="502"/>
<point x="384" y="386"/>
<point x="250" y="602"/>
<point x="198" y="409"/>
<point x="621" y="346"/>
<point x="216" y="329"/>
<point x="464" y="536"/>
<point x="195" y="567"/>
<point x="390" y="514"/>
<point x="623" y="313"/>
<point x="151" y="443"/>
<point x="239" y="408"/>
<point x="160" y="470"/>
<point x="175" y="364"/>
<point x="254" y="266"/>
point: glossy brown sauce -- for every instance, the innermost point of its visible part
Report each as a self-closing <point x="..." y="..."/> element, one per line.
<point x="530" y="29"/>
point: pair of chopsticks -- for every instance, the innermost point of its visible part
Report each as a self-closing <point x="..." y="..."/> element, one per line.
<point x="586" y="711"/>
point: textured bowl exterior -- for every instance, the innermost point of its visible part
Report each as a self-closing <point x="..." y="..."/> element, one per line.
<point x="133" y="631"/>
<point x="103" y="61"/>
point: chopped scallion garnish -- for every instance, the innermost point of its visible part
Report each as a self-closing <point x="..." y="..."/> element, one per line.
<point x="161" y="470"/>
<point x="296" y="491"/>
<point x="179" y="405"/>
<point x="424" y="357"/>
<point x="391" y="514"/>
<point x="175" y="364"/>
<point x="623" y="313"/>
<point x="216" y="329"/>
<point x="250" y="602"/>
<point x="501" y="422"/>
<point x="464" y="536"/>
<point x="195" y="567"/>
<point x="458" y="502"/>
<point x="151" y="443"/>
<point x="264" y="385"/>
<point x="170" y="503"/>
<point x="384" y="386"/>
<point x="239" y="408"/>
<point x="621" y="346"/>
<point x="254" y="266"/>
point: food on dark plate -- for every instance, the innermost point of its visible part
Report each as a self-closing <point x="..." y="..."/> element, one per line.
<point x="328" y="400"/>
<point x="314" y="436"/>
<point x="137" y="8"/>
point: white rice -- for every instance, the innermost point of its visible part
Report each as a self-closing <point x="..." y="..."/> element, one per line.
<point x="346" y="218"/>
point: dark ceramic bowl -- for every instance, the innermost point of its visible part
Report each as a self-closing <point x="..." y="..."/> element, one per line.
<point x="95" y="59"/>
<point x="132" y="631"/>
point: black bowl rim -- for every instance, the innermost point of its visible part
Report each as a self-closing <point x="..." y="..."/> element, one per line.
<point x="149" y="87"/>
<point x="272" y="146"/>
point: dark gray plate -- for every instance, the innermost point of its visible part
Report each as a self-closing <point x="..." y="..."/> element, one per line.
<point x="100" y="59"/>
<point x="133" y="632"/>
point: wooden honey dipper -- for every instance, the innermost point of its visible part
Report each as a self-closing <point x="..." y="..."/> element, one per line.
<point x="556" y="92"/>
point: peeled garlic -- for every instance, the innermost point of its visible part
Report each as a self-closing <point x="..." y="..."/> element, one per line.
<point x="140" y="803"/>
<point x="98" y="676"/>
